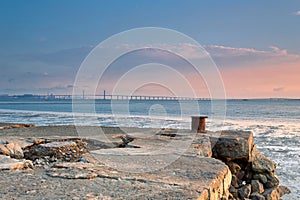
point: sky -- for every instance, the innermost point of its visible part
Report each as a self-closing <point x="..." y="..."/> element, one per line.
<point x="255" y="44"/>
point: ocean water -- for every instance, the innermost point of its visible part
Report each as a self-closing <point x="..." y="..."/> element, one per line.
<point x="274" y="122"/>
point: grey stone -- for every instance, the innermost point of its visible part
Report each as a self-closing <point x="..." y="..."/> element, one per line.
<point x="257" y="196"/>
<point x="233" y="191"/>
<point x="273" y="181"/>
<point x="283" y="190"/>
<point x="232" y="145"/>
<point x="262" y="164"/>
<point x="262" y="178"/>
<point x="276" y="192"/>
<point x="245" y="191"/>
<point x="234" y="181"/>
<point x="256" y="186"/>
<point x="272" y="194"/>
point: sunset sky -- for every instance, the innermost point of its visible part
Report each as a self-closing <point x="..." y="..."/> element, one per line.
<point x="255" y="44"/>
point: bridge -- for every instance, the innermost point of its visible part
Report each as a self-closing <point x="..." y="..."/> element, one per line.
<point x="105" y="96"/>
<point x="120" y="97"/>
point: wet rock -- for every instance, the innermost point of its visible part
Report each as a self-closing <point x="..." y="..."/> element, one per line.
<point x="244" y="192"/>
<point x="232" y="145"/>
<point x="256" y="186"/>
<point x="272" y="181"/>
<point x="272" y="194"/>
<point x="257" y="196"/>
<point x="262" y="164"/>
<point x="283" y="190"/>
<point x="276" y="192"/>
<point x="15" y="150"/>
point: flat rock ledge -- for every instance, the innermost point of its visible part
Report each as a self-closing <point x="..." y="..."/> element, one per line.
<point x="130" y="163"/>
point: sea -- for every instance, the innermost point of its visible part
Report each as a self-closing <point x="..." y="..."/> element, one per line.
<point x="274" y="122"/>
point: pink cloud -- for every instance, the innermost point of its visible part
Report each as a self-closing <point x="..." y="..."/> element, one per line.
<point x="263" y="81"/>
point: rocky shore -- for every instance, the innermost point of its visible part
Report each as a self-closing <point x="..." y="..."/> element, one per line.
<point x="54" y="162"/>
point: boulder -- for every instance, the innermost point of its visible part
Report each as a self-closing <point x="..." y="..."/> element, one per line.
<point x="4" y="150"/>
<point x="262" y="178"/>
<point x="15" y="150"/>
<point x="65" y="150"/>
<point x="256" y="186"/>
<point x="234" y="181"/>
<point x="245" y="191"/>
<point x="257" y="196"/>
<point x="272" y="194"/>
<point x="262" y="164"/>
<point x="272" y="181"/>
<point x="283" y="190"/>
<point x="233" y="192"/>
<point x="233" y="145"/>
<point x="7" y="163"/>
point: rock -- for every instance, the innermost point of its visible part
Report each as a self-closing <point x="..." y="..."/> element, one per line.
<point x="283" y="190"/>
<point x="21" y="125"/>
<point x="245" y="191"/>
<point x="66" y="150"/>
<point x="240" y="176"/>
<point x="262" y="164"/>
<point x="256" y="186"/>
<point x="84" y="160"/>
<point x="272" y="181"/>
<point x="125" y="139"/>
<point x="15" y="150"/>
<point x="7" y="163"/>
<point x="232" y="145"/>
<point x="262" y="178"/>
<point x="4" y="150"/>
<point x="234" y="168"/>
<point x="257" y="196"/>
<point x="2" y="142"/>
<point x="272" y="194"/>
<point x="26" y="164"/>
<point x="233" y="191"/>
<point x="276" y="192"/>
<point x="72" y="173"/>
<point x="234" y="181"/>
